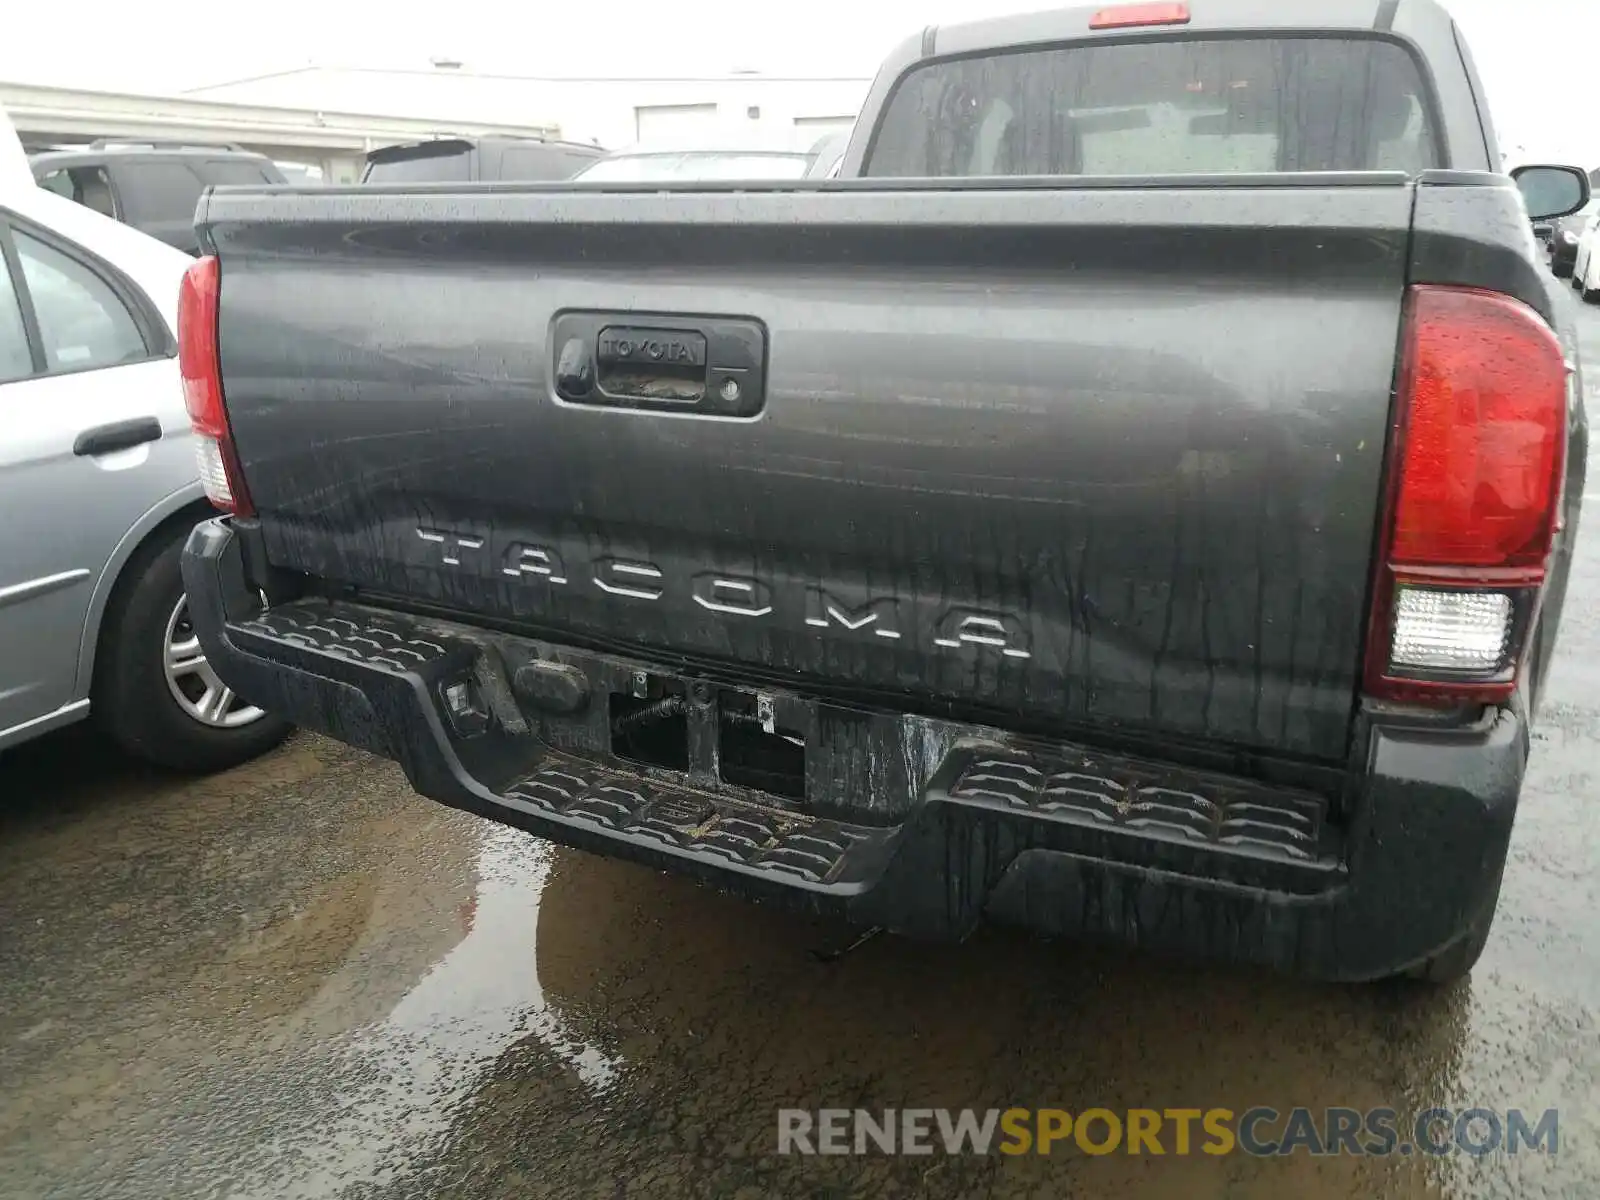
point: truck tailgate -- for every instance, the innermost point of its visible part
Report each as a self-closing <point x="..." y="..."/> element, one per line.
<point x="1054" y="459"/>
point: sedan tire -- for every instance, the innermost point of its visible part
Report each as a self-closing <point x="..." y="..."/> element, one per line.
<point x="154" y="691"/>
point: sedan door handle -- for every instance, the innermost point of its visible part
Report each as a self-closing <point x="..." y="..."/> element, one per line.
<point x="119" y="435"/>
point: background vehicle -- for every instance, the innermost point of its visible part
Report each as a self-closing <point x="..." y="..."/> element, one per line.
<point x="99" y="489"/>
<point x="477" y="160"/>
<point x="1068" y="549"/>
<point x="153" y="186"/>
<point x="1585" y="262"/>
<point x="1564" y="235"/>
<point x="827" y="155"/>
<point x="301" y="175"/>
<point x="651" y="163"/>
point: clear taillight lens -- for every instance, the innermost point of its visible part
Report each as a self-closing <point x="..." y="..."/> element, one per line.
<point x="1448" y="632"/>
<point x="213" y="472"/>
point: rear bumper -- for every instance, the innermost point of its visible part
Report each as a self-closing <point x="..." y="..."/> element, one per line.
<point x="960" y="823"/>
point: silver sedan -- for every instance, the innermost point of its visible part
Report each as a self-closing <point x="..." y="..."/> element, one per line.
<point x="98" y="490"/>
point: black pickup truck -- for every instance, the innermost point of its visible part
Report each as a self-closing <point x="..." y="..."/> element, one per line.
<point x="1134" y="500"/>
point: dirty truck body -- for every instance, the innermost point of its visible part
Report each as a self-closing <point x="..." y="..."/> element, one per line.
<point x="1051" y="521"/>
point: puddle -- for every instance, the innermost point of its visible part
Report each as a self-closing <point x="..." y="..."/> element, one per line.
<point x="432" y="1052"/>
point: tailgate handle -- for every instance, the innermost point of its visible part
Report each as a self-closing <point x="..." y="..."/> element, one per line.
<point x="711" y="366"/>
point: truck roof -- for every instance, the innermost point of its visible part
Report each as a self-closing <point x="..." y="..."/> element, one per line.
<point x="146" y="151"/>
<point x="398" y="150"/>
<point x="1205" y="16"/>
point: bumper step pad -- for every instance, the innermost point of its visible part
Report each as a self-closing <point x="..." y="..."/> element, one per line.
<point x="1274" y="824"/>
<point x="388" y="644"/>
<point x="784" y="843"/>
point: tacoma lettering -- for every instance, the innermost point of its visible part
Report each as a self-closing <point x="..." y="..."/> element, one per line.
<point x="822" y="610"/>
<point x="956" y="628"/>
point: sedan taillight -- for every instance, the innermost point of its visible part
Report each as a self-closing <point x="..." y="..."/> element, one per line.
<point x="200" y="366"/>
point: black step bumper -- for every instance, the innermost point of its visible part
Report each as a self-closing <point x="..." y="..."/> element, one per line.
<point x="918" y="825"/>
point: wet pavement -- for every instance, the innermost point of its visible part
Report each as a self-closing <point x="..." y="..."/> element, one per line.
<point x="300" y="979"/>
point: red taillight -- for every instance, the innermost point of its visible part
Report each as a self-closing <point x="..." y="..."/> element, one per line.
<point x="202" y="387"/>
<point x="1129" y="16"/>
<point x="1486" y="412"/>
<point x="1476" y="473"/>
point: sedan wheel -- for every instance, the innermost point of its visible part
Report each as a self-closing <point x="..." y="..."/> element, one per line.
<point x="194" y="685"/>
<point x="154" y="691"/>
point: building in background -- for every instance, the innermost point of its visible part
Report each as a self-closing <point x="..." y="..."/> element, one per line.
<point x="787" y="112"/>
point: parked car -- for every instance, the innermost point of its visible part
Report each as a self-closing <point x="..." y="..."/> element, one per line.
<point x="1585" y="260"/>
<point x="952" y="546"/>
<point x="99" y="489"/>
<point x="1564" y="235"/>
<point x="478" y="160"/>
<point x="827" y="156"/>
<point x="657" y="163"/>
<point x="151" y="186"/>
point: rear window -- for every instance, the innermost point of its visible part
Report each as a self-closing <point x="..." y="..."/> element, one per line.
<point x="1170" y="107"/>
<point x="539" y="163"/>
<point x="155" y="191"/>
<point x="422" y="164"/>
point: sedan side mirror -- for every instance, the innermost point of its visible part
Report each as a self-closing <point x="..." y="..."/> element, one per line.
<point x="1551" y="192"/>
<point x="1544" y="231"/>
